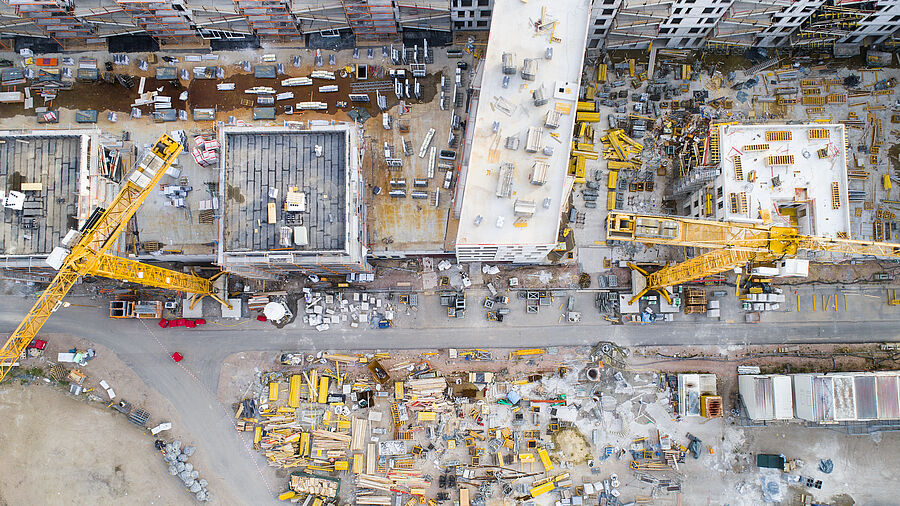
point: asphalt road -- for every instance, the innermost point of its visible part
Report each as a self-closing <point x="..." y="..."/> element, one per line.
<point x="191" y="385"/>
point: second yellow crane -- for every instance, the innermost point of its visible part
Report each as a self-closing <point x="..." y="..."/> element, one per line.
<point x="731" y="245"/>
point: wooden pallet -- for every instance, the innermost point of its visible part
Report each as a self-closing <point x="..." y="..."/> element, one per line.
<point x="813" y="100"/>
<point x="818" y="133"/>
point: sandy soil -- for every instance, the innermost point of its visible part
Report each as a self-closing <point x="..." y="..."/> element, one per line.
<point x="92" y="428"/>
<point x="76" y="453"/>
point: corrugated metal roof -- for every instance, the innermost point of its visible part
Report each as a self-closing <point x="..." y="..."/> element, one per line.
<point x="782" y="390"/>
<point x="823" y="399"/>
<point x="888" y="398"/>
<point x="765" y="399"/>
<point x="844" y="399"/>
<point x="866" y="408"/>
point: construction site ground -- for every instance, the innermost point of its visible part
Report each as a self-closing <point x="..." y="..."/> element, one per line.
<point x="394" y="224"/>
<point x="59" y="450"/>
<point x="725" y="472"/>
<point x="404" y="225"/>
<point x="836" y="299"/>
<point x="659" y="168"/>
<point x="204" y="410"/>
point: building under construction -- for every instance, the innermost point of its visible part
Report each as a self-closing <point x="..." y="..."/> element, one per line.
<point x="514" y="180"/>
<point x="291" y="202"/>
<point x="679" y="24"/>
<point x="74" y="24"/>
<point x="51" y="182"/>
<point x="791" y="175"/>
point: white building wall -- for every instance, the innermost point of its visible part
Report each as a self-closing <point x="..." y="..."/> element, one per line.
<point x="603" y="16"/>
<point x="691" y="21"/>
<point x="787" y="22"/>
<point x="471" y="14"/>
<point x="514" y="253"/>
<point x="877" y="27"/>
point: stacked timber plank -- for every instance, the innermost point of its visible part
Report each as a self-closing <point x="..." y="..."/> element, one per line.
<point x="427" y="394"/>
<point x="424" y="387"/>
<point x="331" y="444"/>
<point x="314" y="485"/>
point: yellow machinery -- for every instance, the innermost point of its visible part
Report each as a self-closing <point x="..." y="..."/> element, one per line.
<point x="88" y="256"/>
<point x="731" y="245"/>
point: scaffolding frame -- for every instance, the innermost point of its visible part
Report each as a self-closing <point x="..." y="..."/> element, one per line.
<point x="371" y="19"/>
<point x="160" y="20"/>
<point x="56" y="19"/>
<point x="269" y="19"/>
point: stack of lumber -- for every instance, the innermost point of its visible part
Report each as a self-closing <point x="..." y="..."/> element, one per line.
<point x="330" y="442"/>
<point x="406" y="364"/>
<point x="284" y="457"/>
<point x="280" y="422"/>
<point x="425" y="387"/>
<point x="410" y="479"/>
<point x="257" y="302"/>
<point x="374" y="482"/>
<point x="344" y="359"/>
<point x="360" y="434"/>
<point x="428" y="394"/>
<point x="314" y="486"/>
<point x="280" y="448"/>
<point x="373" y="500"/>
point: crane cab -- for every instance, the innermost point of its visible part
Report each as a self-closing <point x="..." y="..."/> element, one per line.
<point x="165" y="147"/>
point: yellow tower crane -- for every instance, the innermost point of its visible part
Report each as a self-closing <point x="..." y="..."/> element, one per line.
<point x="731" y="245"/>
<point x="89" y="253"/>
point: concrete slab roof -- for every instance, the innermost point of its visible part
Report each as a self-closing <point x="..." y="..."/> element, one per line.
<point x="510" y="111"/>
<point x="51" y="164"/>
<point x="260" y="160"/>
<point x="795" y="174"/>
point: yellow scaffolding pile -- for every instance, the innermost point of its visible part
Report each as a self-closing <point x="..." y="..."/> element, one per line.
<point x="780" y="135"/>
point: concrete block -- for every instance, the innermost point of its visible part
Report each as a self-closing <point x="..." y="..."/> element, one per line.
<point x="234" y="312"/>
<point x="187" y="312"/>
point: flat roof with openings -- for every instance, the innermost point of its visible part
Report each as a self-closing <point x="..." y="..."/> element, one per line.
<point x="291" y="200"/>
<point x="260" y="161"/>
<point x="503" y="112"/>
<point x="52" y="168"/>
<point x="785" y="174"/>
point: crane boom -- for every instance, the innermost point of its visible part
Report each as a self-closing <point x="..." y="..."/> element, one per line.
<point x="732" y="244"/>
<point x="89" y="255"/>
<point x="124" y="269"/>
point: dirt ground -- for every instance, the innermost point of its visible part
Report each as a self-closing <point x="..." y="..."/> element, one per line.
<point x="202" y="93"/>
<point x="76" y="453"/>
<point x="56" y="425"/>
